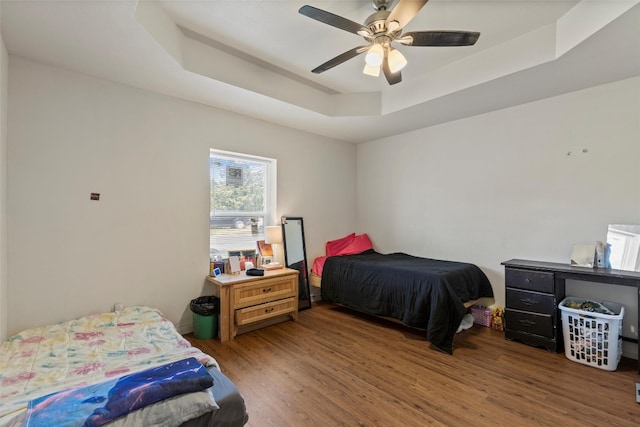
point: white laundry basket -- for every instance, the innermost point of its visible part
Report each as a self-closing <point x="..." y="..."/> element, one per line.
<point x="593" y="339"/>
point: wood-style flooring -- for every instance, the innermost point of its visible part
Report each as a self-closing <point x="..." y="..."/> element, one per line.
<point x="335" y="367"/>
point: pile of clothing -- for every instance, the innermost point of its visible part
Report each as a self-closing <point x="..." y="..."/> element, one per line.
<point x="590" y="306"/>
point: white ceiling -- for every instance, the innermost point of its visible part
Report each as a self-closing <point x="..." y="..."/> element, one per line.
<point x="254" y="56"/>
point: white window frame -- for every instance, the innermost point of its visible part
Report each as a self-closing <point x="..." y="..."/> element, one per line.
<point x="220" y="248"/>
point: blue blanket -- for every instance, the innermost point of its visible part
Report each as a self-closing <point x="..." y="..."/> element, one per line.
<point x="98" y="404"/>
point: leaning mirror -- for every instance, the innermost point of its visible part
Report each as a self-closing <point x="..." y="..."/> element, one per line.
<point x="624" y="246"/>
<point x="295" y="257"/>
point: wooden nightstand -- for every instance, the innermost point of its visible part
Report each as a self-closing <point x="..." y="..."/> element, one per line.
<point x="252" y="302"/>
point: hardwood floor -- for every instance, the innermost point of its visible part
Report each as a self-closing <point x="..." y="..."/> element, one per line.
<point x="335" y="367"/>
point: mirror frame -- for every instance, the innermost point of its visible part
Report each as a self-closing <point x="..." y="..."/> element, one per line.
<point x="304" y="291"/>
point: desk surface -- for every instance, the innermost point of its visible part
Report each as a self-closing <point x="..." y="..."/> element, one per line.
<point x="567" y="271"/>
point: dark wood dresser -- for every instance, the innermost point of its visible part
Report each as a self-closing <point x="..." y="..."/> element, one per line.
<point x="531" y="312"/>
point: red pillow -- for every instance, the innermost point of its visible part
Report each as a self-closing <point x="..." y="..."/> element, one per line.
<point x="335" y="246"/>
<point x="359" y="244"/>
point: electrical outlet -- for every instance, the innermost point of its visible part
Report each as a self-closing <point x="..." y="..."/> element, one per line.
<point x="638" y="392"/>
<point x="117" y="306"/>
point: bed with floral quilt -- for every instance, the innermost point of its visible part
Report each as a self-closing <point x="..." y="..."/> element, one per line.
<point x="128" y="367"/>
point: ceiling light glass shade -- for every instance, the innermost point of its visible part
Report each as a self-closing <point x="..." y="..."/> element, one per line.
<point x="371" y="71"/>
<point x="397" y="61"/>
<point x="375" y="55"/>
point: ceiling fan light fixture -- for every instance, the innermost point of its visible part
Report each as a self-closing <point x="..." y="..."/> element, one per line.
<point x="371" y="71"/>
<point x="397" y="61"/>
<point x="380" y="30"/>
<point x="375" y="55"/>
<point x="393" y="26"/>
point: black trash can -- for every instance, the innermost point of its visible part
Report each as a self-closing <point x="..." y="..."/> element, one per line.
<point x="205" y="311"/>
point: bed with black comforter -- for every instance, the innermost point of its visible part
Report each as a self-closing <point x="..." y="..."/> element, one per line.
<point x="422" y="293"/>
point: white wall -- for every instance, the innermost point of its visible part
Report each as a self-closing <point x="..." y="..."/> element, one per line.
<point x="515" y="183"/>
<point x="146" y="240"/>
<point x="4" y="60"/>
<point x="509" y="184"/>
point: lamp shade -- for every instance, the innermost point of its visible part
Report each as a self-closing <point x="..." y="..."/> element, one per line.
<point x="397" y="61"/>
<point x="375" y="55"/>
<point x="371" y="71"/>
<point x="273" y="234"/>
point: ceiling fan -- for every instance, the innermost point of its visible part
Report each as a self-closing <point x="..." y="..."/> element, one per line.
<point x="380" y="30"/>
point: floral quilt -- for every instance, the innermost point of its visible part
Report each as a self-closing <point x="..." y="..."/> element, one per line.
<point x="94" y="348"/>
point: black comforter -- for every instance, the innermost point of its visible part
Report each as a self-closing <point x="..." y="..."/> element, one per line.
<point x="420" y="292"/>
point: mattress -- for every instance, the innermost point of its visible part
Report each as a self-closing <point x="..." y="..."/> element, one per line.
<point x="315" y="280"/>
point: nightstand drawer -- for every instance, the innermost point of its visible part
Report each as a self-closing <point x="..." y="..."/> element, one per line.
<point x="530" y="301"/>
<point x="264" y="291"/>
<point x="265" y="311"/>
<point x="531" y="323"/>
<point x="531" y="280"/>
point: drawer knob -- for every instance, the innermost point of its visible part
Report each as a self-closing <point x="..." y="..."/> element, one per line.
<point x="266" y="290"/>
<point x="528" y="301"/>
<point x="268" y="310"/>
<point x="527" y="322"/>
<point x="527" y="280"/>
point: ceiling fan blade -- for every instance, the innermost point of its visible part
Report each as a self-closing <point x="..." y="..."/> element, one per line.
<point x="392" y="78"/>
<point x="331" y="19"/>
<point x="405" y="10"/>
<point x="340" y="59"/>
<point x="442" y="38"/>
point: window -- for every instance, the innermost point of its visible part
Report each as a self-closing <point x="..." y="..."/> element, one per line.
<point x="242" y="200"/>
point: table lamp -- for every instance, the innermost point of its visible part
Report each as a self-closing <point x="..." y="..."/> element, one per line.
<point x="273" y="235"/>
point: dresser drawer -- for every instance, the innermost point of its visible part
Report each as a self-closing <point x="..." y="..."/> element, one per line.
<point x="531" y="280"/>
<point x="530" y="301"/>
<point x="265" y="311"/>
<point x="264" y="291"/>
<point x="537" y="324"/>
